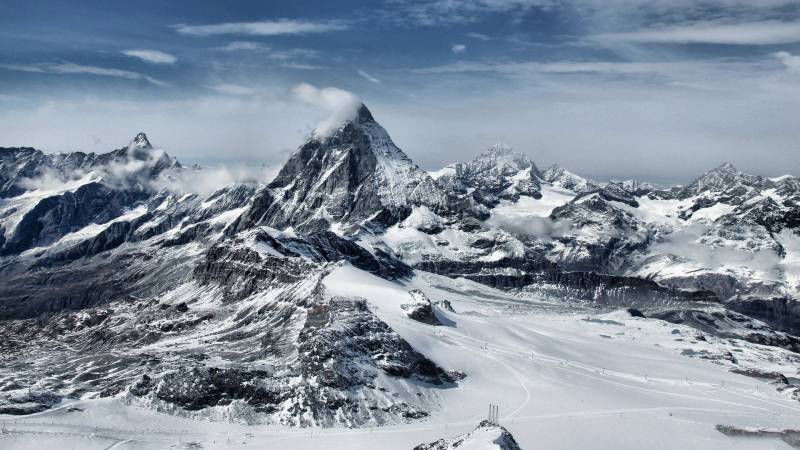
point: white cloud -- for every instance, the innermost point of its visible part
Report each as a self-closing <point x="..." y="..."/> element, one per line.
<point x="233" y="89"/>
<point x="369" y="77"/>
<point x="301" y="66"/>
<point x="245" y="45"/>
<point x="712" y="32"/>
<point x="207" y="180"/>
<point x="71" y="69"/>
<point x="152" y="56"/>
<point x="272" y="53"/>
<point x="338" y="105"/>
<point x="792" y="62"/>
<point x="458" y="49"/>
<point x="479" y="36"/>
<point x="263" y="28"/>
<point x="564" y="67"/>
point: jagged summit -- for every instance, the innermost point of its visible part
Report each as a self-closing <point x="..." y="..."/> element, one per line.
<point x="722" y="178"/>
<point x="364" y="114"/>
<point x="499" y="149"/>
<point x="499" y="172"/>
<point x="141" y="141"/>
<point x="343" y="180"/>
<point x="566" y="179"/>
<point x="505" y="157"/>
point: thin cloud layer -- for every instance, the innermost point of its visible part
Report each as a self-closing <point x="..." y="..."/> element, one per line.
<point x="152" y="56"/>
<point x="263" y="28"/>
<point x="233" y="89"/>
<point x="748" y="33"/>
<point x="73" y="69"/>
<point x="369" y="77"/>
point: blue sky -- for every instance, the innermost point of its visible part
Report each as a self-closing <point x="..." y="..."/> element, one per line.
<point x="659" y="89"/>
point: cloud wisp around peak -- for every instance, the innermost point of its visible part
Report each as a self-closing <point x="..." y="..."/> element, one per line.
<point x="337" y="105"/>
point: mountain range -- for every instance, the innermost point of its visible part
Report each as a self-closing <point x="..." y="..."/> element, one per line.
<point x="223" y="306"/>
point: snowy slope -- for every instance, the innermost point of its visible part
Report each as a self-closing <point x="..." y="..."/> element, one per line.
<point x="557" y="375"/>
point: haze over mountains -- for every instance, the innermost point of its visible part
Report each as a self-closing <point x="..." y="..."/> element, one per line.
<point x="351" y="290"/>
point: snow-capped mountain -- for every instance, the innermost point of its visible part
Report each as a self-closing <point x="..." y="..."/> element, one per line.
<point x="343" y="181"/>
<point x="498" y="173"/>
<point x="565" y="179"/>
<point x="338" y="293"/>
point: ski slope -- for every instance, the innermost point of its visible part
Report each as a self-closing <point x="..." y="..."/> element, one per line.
<point x="564" y="378"/>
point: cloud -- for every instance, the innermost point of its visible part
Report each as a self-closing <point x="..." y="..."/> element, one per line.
<point x="338" y="105"/>
<point x="542" y="227"/>
<point x="233" y="89"/>
<point x="71" y="68"/>
<point x="712" y="32"/>
<point x="152" y="56"/>
<point x="438" y="12"/>
<point x="207" y="180"/>
<point x="301" y="66"/>
<point x="459" y="49"/>
<point x="479" y="36"/>
<point x="245" y="46"/>
<point x="369" y="77"/>
<point x="792" y="62"/>
<point x="593" y="14"/>
<point x="685" y="72"/>
<point x="263" y="28"/>
<point x="271" y="53"/>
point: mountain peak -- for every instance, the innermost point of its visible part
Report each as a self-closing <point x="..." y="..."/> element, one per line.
<point x="500" y="148"/>
<point x="140" y="141"/>
<point x="726" y="167"/>
<point x="719" y="179"/>
<point x="565" y="179"/>
<point x="364" y="115"/>
<point x="502" y="156"/>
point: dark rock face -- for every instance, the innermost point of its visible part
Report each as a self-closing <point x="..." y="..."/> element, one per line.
<point x="789" y="436"/>
<point x="23" y="402"/>
<point x="611" y="192"/>
<point x="729" y="324"/>
<point x="200" y="387"/>
<point x="53" y="217"/>
<point x="351" y="324"/>
<point x="755" y="373"/>
<point x="781" y="313"/>
<point x="536" y="274"/>
<point x="419" y="308"/>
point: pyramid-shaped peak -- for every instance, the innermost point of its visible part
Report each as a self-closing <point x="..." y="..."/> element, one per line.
<point x="364" y="115"/>
<point x="141" y="141"/>
<point x="726" y="168"/>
